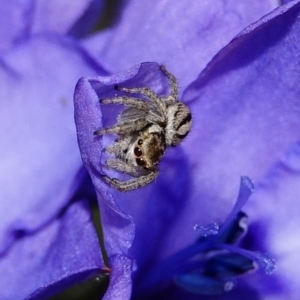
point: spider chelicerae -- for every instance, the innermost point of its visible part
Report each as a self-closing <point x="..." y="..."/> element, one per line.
<point x="145" y="129"/>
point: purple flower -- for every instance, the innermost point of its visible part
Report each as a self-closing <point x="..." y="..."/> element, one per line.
<point x="245" y="113"/>
<point x="246" y="119"/>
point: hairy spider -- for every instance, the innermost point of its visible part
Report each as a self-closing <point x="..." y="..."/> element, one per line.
<point x="145" y="129"/>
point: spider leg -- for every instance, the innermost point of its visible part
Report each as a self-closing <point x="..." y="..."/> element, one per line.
<point x="173" y="85"/>
<point x="122" y="128"/>
<point x="131" y="184"/>
<point x="147" y="92"/>
<point x="122" y="166"/>
<point x="128" y="101"/>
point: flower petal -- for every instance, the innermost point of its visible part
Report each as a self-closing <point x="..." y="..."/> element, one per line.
<point x="246" y="114"/>
<point x="120" y="280"/>
<point x="275" y="208"/>
<point x="60" y="16"/>
<point x="65" y="252"/>
<point x="183" y="35"/>
<point x="22" y="18"/>
<point x="40" y="158"/>
<point x="14" y="16"/>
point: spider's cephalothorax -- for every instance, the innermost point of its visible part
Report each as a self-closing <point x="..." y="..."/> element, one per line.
<point x="145" y="129"/>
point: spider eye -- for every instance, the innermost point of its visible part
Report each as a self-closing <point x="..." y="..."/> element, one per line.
<point x="137" y="151"/>
<point x="140" y="142"/>
<point x="140" y="162"/>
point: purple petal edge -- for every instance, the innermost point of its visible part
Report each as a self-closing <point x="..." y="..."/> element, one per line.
<point x="120" y="280"/>
<point x="118" y="227"/>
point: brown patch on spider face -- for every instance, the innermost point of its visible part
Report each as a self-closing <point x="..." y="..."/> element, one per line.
<point x="150" y="149"/>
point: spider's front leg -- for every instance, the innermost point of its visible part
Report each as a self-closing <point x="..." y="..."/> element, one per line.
<point x="128" y="101"/>
<point x="122" y="128"/>
<point x="123" y="167"/>
<point x="131" y="184"/>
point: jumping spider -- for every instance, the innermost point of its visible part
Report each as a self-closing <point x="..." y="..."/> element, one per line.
<point x="145" y="129"/>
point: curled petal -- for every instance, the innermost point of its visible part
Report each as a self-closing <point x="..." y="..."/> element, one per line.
<point x="118" y="227"/>
<point x="120" y="279"/>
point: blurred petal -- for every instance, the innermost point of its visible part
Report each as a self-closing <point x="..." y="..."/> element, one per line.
<point x="184" y="35"/>
<point x="39" y="153"/>
<point x="63" y="253"/>
<point x="276" y="207"/>
<point x="60" y="15"/>
<point x="15" y="17"/>
<point x="21" y="18"/>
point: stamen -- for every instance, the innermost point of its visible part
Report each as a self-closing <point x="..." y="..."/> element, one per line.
<point x="199" y="284"/>
<point x="267" y="263"/>
<point x="205" y="230"/>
